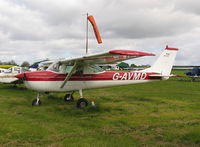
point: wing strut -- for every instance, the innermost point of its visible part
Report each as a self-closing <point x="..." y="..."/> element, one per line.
<point x="69" y="75"/>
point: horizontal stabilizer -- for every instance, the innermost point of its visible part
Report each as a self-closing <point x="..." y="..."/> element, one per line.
<point x="165" y="76"/>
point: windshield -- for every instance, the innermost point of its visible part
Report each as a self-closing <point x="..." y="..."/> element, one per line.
<point x="61" y="68"/>
<point x="54" y="67"/>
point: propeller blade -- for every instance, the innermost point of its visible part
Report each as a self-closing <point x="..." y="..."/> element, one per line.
<point x="24" y="77"/>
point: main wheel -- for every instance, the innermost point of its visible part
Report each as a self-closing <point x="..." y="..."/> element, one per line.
<point x="68" y="98"/>
<point x="35" y="103"/>
<point x="82" y="103"/>
<point x="15" y="86"/>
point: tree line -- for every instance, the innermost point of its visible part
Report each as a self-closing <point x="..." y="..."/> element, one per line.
<point x="12" y="62"/>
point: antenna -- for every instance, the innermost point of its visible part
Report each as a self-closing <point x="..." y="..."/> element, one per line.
<point x="87" y="35"/>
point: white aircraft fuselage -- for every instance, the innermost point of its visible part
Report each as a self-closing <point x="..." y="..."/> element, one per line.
<point x="90" y="76"/>
<point x="47" y="81"/>
<point x="8" y="75"/>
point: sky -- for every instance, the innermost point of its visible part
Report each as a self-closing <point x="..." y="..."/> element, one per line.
<point x="31" y="30"/>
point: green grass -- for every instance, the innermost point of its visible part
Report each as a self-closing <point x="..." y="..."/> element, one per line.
<point x="165" y="113"/>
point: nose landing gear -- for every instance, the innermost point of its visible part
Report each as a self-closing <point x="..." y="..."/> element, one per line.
<point x="81" y="103"/>
<point x="69" y="97"/>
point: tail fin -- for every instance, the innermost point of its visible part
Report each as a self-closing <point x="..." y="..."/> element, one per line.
<point x="164" y="63"/>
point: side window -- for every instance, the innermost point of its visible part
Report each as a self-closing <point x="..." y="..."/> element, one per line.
<point x="79" y="70"/>
<point x="9" y="70"/>
<point x="65" y="68"/>
<point x="68" y="69"/>
<point x="54" y="67"/>
<point x="92" y="69"/>
<point x="61" y="68"/>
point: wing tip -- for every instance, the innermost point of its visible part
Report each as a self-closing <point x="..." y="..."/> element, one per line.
<point x="169" y="48"/>
<point x="131" y="53"/>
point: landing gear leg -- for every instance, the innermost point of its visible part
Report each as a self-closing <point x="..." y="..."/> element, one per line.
<point x="15" y="85"/>
<point x="36" y="102"/>
<point x="192" y="79"/>
<point x="82" y="102"/>
<point x="69" y="97"/>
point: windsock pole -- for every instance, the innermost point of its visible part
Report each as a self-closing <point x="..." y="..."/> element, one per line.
<point x="87" y="35"/>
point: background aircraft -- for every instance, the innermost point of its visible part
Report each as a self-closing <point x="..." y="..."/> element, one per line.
<point x="40" y="65"/>
<point x="8" y="75"/>
<point x="2" y="70"/>
<point x="195" y="73"/>
<point x="76" y="74"/>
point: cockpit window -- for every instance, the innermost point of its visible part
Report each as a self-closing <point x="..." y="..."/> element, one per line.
<point x="61" y="68"/>
<point x="16" y="69"/>
<point x="80" y="69"/>
<point x="68" y="69"/>
<point x="54" y="67"/>
<point x="8" y="70"/>
<point x="96" y="68"/>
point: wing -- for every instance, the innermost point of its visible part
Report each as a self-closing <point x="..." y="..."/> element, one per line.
<point x="107" y="57"/>
<point x="102" y="58"/>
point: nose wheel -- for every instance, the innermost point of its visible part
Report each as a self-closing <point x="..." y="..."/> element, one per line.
<point x="69" y="97"/>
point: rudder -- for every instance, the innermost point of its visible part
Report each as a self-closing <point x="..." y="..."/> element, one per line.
<point x="164" y="63"/>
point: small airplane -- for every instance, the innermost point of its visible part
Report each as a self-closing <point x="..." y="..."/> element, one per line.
<point x="8" y="75"/>
<point x="81" y="73"/>
<point x="195" y="73"/>
<point x="3" y="70"/>
<point x="40" y="65"/>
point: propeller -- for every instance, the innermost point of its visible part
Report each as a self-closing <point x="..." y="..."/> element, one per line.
<point x="21" y="76"/>
<point x="24" y="77"/>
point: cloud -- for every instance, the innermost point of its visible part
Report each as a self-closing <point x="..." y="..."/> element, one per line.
<point x="191" y="6"/>
<point x="147" y="21"/>
<point x="33" y="30"/>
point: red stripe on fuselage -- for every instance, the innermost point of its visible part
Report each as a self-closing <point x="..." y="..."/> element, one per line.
<point x="51" y="76"/>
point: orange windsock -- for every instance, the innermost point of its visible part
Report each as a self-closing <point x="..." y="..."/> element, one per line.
<point x="96" y="31"/>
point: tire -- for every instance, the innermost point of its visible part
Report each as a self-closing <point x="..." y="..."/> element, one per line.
<point x="82" y="103"/>
<point x="68" y="98"/>
<point x="34" y="102"/>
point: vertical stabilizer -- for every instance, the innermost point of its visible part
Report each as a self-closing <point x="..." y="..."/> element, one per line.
<point x="165" y="62"/>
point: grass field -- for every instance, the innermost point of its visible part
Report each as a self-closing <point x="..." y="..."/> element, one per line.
<point x="165" y="113"/>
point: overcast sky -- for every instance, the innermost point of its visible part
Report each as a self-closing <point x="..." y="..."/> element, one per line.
<point x="37" y="29"/>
